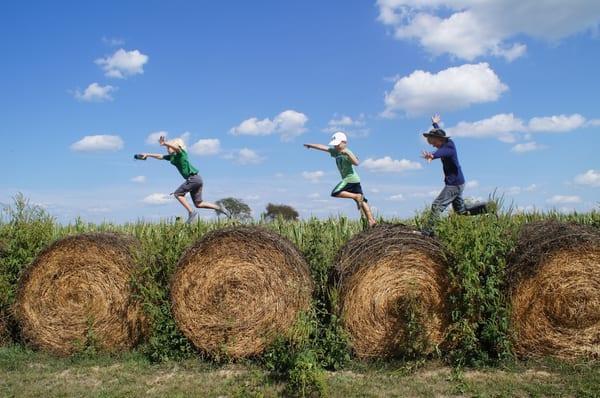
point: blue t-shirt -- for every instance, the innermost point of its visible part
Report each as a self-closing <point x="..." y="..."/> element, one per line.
<point x="452" y="172"/>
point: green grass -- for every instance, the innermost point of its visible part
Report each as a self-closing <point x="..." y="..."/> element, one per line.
<point x="24" y="373"/>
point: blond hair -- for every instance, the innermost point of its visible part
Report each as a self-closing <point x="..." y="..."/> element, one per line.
<point x="177" y="142"/>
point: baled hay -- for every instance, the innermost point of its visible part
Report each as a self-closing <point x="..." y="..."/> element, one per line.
<point x="237" y="289"/>
<point x="554" y="276"/>
<point x="78" y="292"/>
<point x="382" y="274"/>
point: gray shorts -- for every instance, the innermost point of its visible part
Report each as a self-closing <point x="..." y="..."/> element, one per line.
<point x="193" y="185"/>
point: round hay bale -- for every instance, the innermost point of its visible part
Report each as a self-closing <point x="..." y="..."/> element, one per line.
<point x="237" y="289"/>
<point x="554" y="285"/>
<point x="393" y="287"/>
<point x="78" y="293"/>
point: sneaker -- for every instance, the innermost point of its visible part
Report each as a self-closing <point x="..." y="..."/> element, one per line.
<point x="192" y="217"/>
<point x="221" y="210"/>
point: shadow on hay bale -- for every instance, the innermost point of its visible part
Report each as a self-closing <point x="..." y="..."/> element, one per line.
<point x="393" y="289"/>
<point x="554" y="279"/>
<point x="78" y="293"/>
<point x="237" y="289"/>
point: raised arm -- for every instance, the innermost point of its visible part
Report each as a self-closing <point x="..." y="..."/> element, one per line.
<point x="162" y="142"/>
<point x="319" y="147"/>
<point x="435" y="121"/>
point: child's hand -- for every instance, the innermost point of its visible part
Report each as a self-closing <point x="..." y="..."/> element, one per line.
<point x="427" y="156"/>
<point x="436" y="119"/>
<point x="307" y="146"/>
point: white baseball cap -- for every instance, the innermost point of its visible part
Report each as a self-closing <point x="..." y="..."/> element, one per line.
<point x="337" y="138"/>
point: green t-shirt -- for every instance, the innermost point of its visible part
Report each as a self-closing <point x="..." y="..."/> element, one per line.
<point x="182" y="162"/>
<point x="344" y="165"/>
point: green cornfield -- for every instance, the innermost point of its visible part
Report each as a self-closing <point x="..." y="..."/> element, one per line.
<point x="479" y="333"/>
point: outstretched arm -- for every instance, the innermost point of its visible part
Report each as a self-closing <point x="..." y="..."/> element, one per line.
<point x="319" y="147"/>
<point x="152" y="155"/>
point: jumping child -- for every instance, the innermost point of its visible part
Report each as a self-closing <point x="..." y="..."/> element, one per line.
<point x="193" y="184"/>
<point x="349" y="187"/>
<point x="453" y="177"/>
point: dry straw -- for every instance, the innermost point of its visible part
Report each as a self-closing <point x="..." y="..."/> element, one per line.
<point x="554" y="276"/>
<point x="78" y="293"/>
<point x="237" y="289"/>
<point x="382" y="274"/>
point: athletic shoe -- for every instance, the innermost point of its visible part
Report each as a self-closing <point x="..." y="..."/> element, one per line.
<point x="192" y="217"/>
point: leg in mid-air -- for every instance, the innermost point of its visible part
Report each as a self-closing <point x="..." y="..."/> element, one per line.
<point x="443" y="200"/>
<point x="354" y="191"/>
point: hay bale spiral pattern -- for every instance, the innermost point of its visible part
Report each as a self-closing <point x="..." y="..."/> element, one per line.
<point x="379" y="273"/>
<point x="77" y="292"/>
<point x="554" y="277"/>
<point x="237" y="289"/>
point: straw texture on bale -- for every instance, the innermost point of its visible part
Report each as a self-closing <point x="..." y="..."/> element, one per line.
<point x="383" y="272"/>
<point x="554" y="279"/>
<point x="237" y="289"/>
<point x="78" y="292"/>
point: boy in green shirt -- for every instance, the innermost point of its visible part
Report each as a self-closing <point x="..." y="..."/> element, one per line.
<point x="193" y="184"/>
<point x="345" y="160"/>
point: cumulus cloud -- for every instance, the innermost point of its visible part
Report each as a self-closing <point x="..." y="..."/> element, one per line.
<point x="389" y="165"/>
<point x="97" y="143"/>
<point x="204" y="147"/>
<point x="139" y="179"/>
<point x="502" y="126"/>
<point x="450" y="89"/>
<point x="590" y="177"/>
<point x="157" y="199"/>
<point x="472" y="184"/>
<point x="152" y="138"/>
<point x="288" y="124"/>
<point x="556" y="124"/>
<point x="469" y="29"/>
<point x="564" y="199"/>
<point x="527" y="147"/>
<point x="353" y="127"/>
<point x="95" y="93"/>
<point x="313" y="176"/>
<point x="123" y="64"/>
<point x="245" y="156"/>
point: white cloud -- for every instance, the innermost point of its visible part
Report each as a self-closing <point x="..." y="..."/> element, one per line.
<point x="245" y="156"/>
<point x="288" y="124"/>
<point x="94" y="143"/>
<point x="396" y="198"/>
<point x="472" y="184"/>
<point x="531" y="188"/>
<point x="157" y="199"/>
<point x="123" y="63"/>
<point x="389" y="165"/>
<point x="502" y="126"/>
<point x="556" y="124"/>
<point x="209" y="146"/>
<point x="113" y="41"/>
<point x="139" y="179"/>
<point x="564" y="199"/>
<point x="353" y="127"/>
<point x="96" y="93"/>
<point x="152" y="138"/>
<point x="313" y="176"/>
<point x="450" y="89"/>
<point x="513" y="190"/>
<point x="469" y="29"/>
<point x="590" y="177"/>
<point x="527" y="147"/>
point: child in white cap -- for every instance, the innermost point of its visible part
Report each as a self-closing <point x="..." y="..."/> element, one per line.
<point x="345" y="160"/>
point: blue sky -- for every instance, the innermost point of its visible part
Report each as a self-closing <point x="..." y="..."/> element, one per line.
<point x="84" y="85"/>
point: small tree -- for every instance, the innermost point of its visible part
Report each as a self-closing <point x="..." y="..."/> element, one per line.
<point x="236" y="208"/>
<point x="284" y="211"/>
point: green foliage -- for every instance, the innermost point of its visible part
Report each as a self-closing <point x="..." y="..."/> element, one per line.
<point x="273" y="211"/>
<point x="236" y="208"/>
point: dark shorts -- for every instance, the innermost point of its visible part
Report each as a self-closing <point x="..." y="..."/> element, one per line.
<point x="193" y="185"/>
<point x="352" y="187"/>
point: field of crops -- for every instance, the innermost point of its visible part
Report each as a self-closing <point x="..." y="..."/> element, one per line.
<point x="477" y="329"/>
